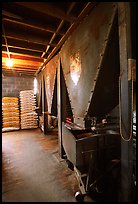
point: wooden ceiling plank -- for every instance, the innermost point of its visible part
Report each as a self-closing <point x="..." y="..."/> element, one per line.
<point x="45" y="8"/>
<point x="19" y="69"/>
<point x="21" y="66"/>
<point x="26" y="41"/>
<point x="23" y="52"/>
<point x="12" y="15"/>
<point x="14" y="73"/>
<point x="23" y="57"/>
<point x="25" y="36"/>
<point x="58" y="29"/>
<point x="85" y="11"/>
<point x="31" y="25"/>
<point x="23" y="48"/>
<point x="22" y="70"/>
<point x="18" y="37"/>
<point x="20" y="43"/>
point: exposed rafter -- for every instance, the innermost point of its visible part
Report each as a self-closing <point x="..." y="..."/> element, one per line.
<point x="34" y="25"/>
<point x="47" y="9"/>
<point x="58" y="29"/>
<point x="23" y="48"/>
<point x="27" y="38"/>
<point x="23" y="57"/>
<point x="35" y="32"/>
<point x="84" y="12"/>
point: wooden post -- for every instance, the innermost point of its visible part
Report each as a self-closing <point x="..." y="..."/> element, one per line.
<point x="125" y="102"/>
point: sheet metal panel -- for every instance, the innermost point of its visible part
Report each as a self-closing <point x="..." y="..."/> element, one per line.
<point x="81" y="54"/>
<point x="106" y="92"/>
<point x="79" y="148"/>
<point x="50" y="76"/>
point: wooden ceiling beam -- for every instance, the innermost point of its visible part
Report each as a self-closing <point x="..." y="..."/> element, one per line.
<point x="19" y="69"/>
<point x="19" y="65"/>
<point x="22" y="57"/>
<point x="58" y="29"/>
<point x="45" y="8"/>
<point x="16" y="73"/>
<point x="12" y="15"/>
<point x="32" y="25"/>
<point x="88" y="8"/>
<point x="23" y="48"/>
<point x="25" y="42"/>
<point x="23" y="52"/>
<point x="25" y="37"/>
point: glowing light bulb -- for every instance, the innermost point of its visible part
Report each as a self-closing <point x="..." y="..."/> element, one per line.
<point x="9" y="63"/>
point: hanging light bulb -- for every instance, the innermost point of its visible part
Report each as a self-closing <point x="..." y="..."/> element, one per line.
<point x="9" y="63"/>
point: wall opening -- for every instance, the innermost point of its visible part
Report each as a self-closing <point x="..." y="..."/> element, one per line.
<point x="35" y="86"/>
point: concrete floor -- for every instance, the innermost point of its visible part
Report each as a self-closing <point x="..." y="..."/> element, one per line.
<point x="32" y="170"/>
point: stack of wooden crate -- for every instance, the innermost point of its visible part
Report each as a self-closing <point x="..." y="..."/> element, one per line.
<point x="28" y="114"/>
<point x="10" y="114"/>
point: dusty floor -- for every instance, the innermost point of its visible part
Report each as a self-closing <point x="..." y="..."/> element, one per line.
<point x="32" y="170"/>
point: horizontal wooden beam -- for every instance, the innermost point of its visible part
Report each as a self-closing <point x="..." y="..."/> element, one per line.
<point x="27" y="66"/>
<point x="33" y="25"/>
<point x="12" y="15"/>
<point x="19" y="69"/>
<point x="12" y="40"/>
<point x="16" y="73"/>
<point x="22" y="57"/>
<point x="17" y="65"/>
<point x="88" y="8"/>
<point x="23" y="52"/>
<point x="22" y="48"/>
<point x="26" y="37"/>
<point x="58" y="29"/>
<point x="46" y="8"/>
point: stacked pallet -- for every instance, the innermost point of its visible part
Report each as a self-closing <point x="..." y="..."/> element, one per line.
<point x="29" y="117"/>
<point x="10" y="114"/>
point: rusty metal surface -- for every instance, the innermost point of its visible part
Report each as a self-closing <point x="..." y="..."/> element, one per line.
<point x="80" y="144"/>
<point x="106" y="92"/>
<point x="81" y="54"/>
<point x="60" y="105"/>
<point x="50" y="76"/>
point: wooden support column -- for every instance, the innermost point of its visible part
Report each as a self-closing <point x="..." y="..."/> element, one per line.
<point x="125" y="42"/>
